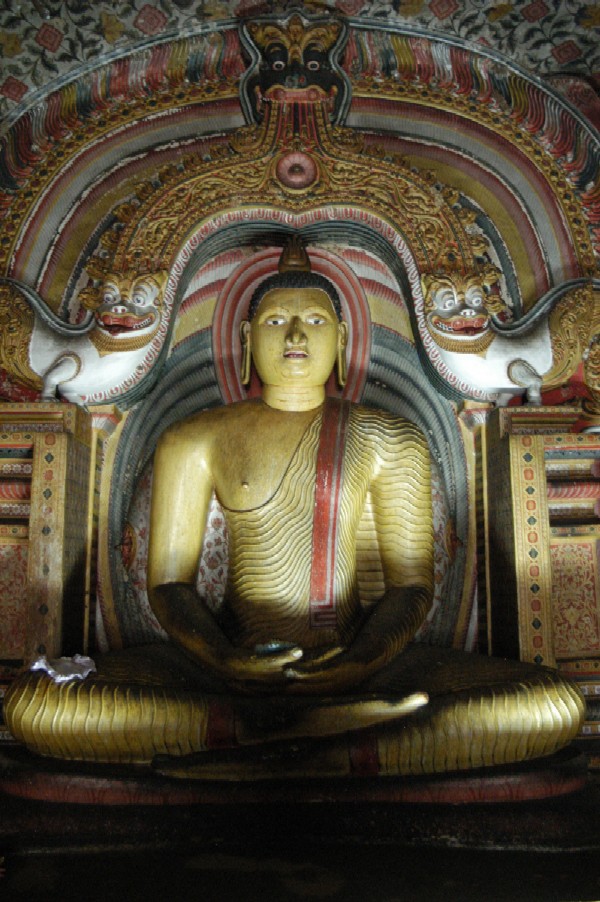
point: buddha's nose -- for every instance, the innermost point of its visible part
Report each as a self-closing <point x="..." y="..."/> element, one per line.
<point x="295" y="335"/>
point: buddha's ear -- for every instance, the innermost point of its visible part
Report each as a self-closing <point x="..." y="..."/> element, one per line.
<point x="342" y="370"/>
<point x="246" y="352"/>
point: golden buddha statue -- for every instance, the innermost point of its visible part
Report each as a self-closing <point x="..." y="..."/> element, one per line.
<point x="292" y="677"/>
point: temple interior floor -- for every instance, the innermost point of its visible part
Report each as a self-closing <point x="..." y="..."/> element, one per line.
<point x="342" y="874"/>
<point x="539" y="850"/>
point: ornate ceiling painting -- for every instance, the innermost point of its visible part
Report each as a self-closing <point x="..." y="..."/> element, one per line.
<point x="439" y="160"/>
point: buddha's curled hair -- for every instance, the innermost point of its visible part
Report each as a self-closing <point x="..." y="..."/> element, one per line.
<point x="298" y="280"/>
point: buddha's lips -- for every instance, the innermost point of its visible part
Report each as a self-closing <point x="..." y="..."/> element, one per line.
<point x="461" y="325"/>
<point x="114" y="325"/>
<point x="295" y="354"/>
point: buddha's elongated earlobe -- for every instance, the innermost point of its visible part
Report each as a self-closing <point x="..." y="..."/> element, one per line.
<point x="342" y="370"/>
<point x="246" y="352"/>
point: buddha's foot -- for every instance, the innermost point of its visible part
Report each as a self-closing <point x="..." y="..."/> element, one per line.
<point x="285" y="720"/>
<point x="275" y="760"/>
<point x="292" y="740"/>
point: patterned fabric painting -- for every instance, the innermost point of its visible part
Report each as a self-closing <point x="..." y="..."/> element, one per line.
<point x="13" y="596"/>
<point x="575" y="594"/>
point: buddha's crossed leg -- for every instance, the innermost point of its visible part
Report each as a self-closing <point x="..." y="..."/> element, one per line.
<point x="480" y="712"/>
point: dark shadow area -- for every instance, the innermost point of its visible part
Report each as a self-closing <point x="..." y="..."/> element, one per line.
<point x="271" y="874"/>
<point x="544" y="851"/>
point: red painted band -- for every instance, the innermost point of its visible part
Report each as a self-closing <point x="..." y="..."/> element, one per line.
<point x="330" y="462"/>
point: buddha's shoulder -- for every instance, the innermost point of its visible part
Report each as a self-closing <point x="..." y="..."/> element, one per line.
<point x="383" y="425"/>
<point x="212" y="422"/>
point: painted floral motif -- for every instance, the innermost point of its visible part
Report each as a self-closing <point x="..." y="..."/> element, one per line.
<point x="589" y="16"/>
<point x="13" y="89"/>
<point x="150" y="20"/>
<point x="13" y="592"/>
<point x="574" y="591"/>
<point x="111" y="26"/>
<point x="10" y="44"/>
<point x="38" y="52"/>
<point x="566" y="52"/>
<point x="49" y="38"/>
<point x="213" y="568"/>
<point x="135" y="554"/>
<point x="535" y="11"/>
<point x="443" y="8"/>
<point x="350" y="7"/>
<point x="408" y="7"/>
<point x="498" y="12"/>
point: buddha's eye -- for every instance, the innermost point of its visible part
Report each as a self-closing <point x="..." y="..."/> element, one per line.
<point x="314" y="319"/>
<point x="275" y="320"/>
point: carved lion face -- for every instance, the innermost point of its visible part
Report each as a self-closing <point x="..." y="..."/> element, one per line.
<point x="458" y="310"/>
<point x="130" y="305"/>
<point x="295" y="63"/>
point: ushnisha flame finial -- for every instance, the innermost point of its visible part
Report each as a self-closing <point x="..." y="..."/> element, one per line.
<point x="294" y="257"/>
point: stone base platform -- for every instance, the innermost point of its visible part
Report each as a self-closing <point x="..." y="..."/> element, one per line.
<point x="549" y="805"/>
<point x="27" y="776"/>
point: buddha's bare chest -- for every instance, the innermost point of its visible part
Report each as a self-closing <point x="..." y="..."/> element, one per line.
<point x="251" y="462"/>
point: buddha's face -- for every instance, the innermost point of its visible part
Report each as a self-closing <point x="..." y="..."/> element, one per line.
<point x="295" y="335"/>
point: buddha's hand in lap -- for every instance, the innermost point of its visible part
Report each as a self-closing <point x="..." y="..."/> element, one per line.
<point x="272" y="667"/>
<point x="261" y="667"/>
<point x="338" y="670"/>
<point x="382" y="637"/>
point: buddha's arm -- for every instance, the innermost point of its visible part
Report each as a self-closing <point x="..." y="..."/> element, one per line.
<point x="181" y="492"/>
<point x="401" y="497"/>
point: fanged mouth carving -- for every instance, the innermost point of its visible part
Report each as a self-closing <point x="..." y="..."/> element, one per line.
<point x="281" y="94"/>
<point x="459" y="327"/>
<point x="115" y="326"/>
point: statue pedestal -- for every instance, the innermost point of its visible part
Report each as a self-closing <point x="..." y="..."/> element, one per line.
<point x="30" y="777"/>
<point x="105" y="810"/>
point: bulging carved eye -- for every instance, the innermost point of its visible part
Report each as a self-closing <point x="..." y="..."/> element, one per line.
<point x="278" y="65"/>
<point x="446" y="300"/>
<point x="140" y="300"/>
<point x="313" y="65"/>
<point x="475" y="299"/>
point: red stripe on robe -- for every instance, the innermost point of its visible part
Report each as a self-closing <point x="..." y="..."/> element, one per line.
<point x="328" y="488"/>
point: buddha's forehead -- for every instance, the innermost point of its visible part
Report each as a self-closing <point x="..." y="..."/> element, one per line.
<point x="295" y="300"/>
